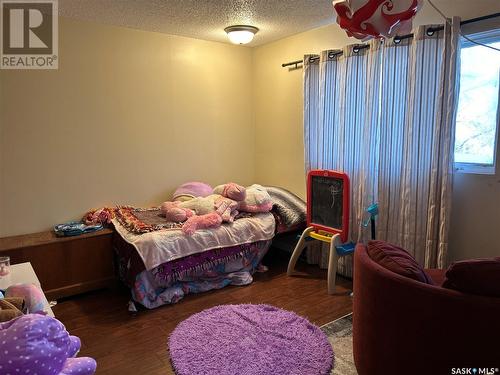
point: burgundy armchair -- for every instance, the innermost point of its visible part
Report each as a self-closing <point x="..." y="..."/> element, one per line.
<point x="403" y="326"/>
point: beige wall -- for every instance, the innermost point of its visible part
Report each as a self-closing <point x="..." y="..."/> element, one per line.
<point x="140" y="113"/>
<point x="278" y="126"/>
<point x="128" y="116"/>
<point x="279" y="146"/>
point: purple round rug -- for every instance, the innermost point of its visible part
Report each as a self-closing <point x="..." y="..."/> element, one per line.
<point x="249" y="339"/>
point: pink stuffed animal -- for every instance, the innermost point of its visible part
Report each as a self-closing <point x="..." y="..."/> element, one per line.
<point x="257" y="200"/>
<point x="222" y="206"/>
<point x="209" y="211"/>
<point x="173" y="212"/>
<point x="232" y="191"/>
<point x="33" y="296"/>
<point x="211" y="220"/>
<point x="199" y="213"/>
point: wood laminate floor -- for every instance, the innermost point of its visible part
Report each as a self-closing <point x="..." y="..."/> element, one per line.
<point x="124" y="344"/>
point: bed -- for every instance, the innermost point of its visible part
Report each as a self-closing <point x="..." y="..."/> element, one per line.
<point x="161" y="265"/>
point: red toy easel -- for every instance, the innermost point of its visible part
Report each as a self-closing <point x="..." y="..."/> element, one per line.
<point x="321" y="227"/>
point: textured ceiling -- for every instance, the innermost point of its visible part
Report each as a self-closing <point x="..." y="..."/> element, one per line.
<point x="205" y="19"/>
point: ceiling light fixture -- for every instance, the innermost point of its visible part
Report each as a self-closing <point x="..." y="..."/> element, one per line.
<point x="241" y="34"/>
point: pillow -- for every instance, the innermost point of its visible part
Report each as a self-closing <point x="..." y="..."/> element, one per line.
<point x="475" y="276"/>
<point x="290" y="208"/>
<point x="397" y="260"/>
<point x="190" y="190"/>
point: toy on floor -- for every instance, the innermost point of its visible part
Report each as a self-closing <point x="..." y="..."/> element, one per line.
<point x="39" y="344"/>
<point x="327" y="219"/>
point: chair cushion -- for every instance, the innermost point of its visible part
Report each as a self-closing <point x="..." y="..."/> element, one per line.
<point x="397" y="260"/>
<point x="475" y="276"/>
<point x="437" y="275"/>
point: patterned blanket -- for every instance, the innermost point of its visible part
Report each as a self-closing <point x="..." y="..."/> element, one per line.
<point x="290" y="209"/>
<point x="137" y="220"/>
<point x="143" y="220"/>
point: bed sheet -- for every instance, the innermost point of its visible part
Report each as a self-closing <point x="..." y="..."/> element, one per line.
<point x="155" y="248"/>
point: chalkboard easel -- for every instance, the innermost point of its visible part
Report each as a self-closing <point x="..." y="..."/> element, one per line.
<point x="328" y="202"/>
<point x="327" y="219"/>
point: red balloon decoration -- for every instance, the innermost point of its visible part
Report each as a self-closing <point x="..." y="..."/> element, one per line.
<point x="366" y="19"/>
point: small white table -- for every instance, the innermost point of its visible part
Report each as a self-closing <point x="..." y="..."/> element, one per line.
<point x="23" y="273"/>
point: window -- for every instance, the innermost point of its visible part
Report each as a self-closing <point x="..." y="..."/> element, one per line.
<point x="478" y="106"/>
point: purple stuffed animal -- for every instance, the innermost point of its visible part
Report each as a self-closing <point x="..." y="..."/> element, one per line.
<point x="38" y="344"/>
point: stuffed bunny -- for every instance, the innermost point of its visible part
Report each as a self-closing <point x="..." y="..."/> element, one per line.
<point x="257" y="200"/>
<point x="222" y="206"/>
<point x="232" y="191"/>
<point x="201" y="212"/>
<point x="173" y="212"/>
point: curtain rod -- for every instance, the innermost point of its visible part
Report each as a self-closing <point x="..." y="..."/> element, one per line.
<point x="397" y="39"/>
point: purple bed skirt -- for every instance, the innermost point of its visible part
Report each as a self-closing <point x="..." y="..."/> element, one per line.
<point x="164" y="285"/>
<point x="171" y="281"/>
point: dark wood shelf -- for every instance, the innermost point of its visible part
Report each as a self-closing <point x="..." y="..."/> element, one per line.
<point x="43" y="238"/>
<point x="65" y="266"/>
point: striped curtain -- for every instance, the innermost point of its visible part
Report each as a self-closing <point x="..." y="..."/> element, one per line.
<point x="339" y="87"/>
<point x="385" y="116"/>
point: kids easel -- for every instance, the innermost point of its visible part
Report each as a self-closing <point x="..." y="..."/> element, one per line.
<point x="327" y="219"/>
<point x="337" y="250"/>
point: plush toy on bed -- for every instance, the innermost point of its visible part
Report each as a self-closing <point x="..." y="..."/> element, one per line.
<point x="201" y="212"/>
<point x="257" y="200"/>
<point x="211" y="211"/>
<point x="232" y="191"/>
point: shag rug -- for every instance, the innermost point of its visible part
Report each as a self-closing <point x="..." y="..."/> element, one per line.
<point x="249" y="339"/>
<point x="339" y="334"/>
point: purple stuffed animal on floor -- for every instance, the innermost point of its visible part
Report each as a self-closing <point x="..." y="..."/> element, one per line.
<point x="38" y="344"/>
